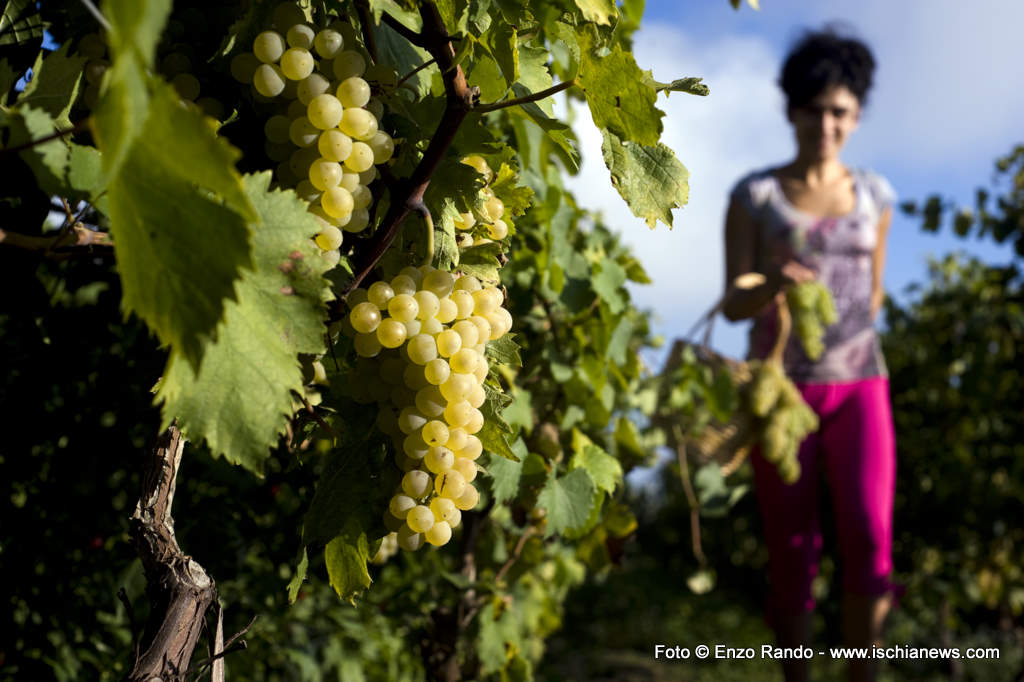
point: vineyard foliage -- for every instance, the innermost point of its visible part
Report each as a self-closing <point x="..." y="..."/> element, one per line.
<point x="183" y="271"/>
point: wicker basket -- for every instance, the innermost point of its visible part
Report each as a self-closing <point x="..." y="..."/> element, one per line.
<point x="727" y="443"/>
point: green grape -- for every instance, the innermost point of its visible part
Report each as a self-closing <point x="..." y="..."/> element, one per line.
<point x="414" y="447"/>
<point x="362" y="196"/>
<point x="324" y="111"/>
<point x="410" y="420"/>
<point x="350" y="180"/>
<point x="482" y="368"/>
<point x="297" y="63"/>
<point x="332" y="258"/>
<point x="428" y="304"/>
<point x="439" y="534"/>
<point x="477" y="162"/>
<point x="268" y="80"/>
<point x="450" y="484"/>
<point x="354" y="92"/>
<point x="447" y="310"/>
<point x="402" y="306"/>
<point x="439" y="282"/>
<point x="467" y="283"/>
<point x="330" y="238"/>
<point x="448" y="342"/>
<point x="360" y="124"/>
<point x="335" y="200"/>
<point x="303" y="133"/>
<point x="468" y="332"/>
<point x="413" y="275"/>
<point x="268" y="47"/>
<point x="300" y="35"/>
<point x="380" y="293"/>
<point x="439" y="459"/>
<point x="365" y="317"/>
<point x="328" y="43"/>
<point x="464" y="360"/>
<point x="360" y="158"/>
<point x="412" y="328"/>
<point x="376" y="107"/>
<point x="457" y="439"/>
<point x="477" y="395"/>
<point x="467" y="468"/>
<point x="243" y="67"/>
<point x="464" y="221"/>
<point x="485" y="301"/>
<point x="367" y="176"/>
<point x="468" y="499"/>
<point x="421" y="348"/>
<point x="391" y="333"/>
<point x="347" y="64"/>
<point x="312" y="86"/>
<point x="475" y="423"/>
<point x="434" y="433"/>
<point x="276" y="129"/>
<point x="443" y="509"/>
<point x="483" y="328"/>
<point x="420" y="519"/>
<point x="186" y="85"/>
<point x="430" y="402"/>
<point x="382" y="145"/>
<point x="432" y="326"/>
<point x="497" y="230"/>
<point x="497" y="322"/>
<point x="473" y="449"/>
<point x="409" y="540"/>
<point x="360" y="219"/>
<point x="288" y="14"/>
<point x="464" y="304"/>
<point x="436" y="371"/>
<point x="416" y="483"/>
<point x="413" y="377"/>
<point x="495" y="208"/>
<point x="458" y="413"/>
<point x="400" y="505"/>
<point x="766" y="387"/>
<point x="325" y="175"/>
<point x="296" y="109"/>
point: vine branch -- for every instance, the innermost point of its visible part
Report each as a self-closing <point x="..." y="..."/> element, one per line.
<point x="526" y="99"/>
<point x="73" y="130"/>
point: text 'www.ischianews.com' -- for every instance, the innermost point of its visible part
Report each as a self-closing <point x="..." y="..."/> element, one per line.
<point x="774" y="653"/>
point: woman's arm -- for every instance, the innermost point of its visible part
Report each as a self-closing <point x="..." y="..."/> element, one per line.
<point x="878" y="263"/>
<point x="741" y="244"/>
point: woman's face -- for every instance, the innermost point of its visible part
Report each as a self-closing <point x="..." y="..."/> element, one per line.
<point x="823" y="124"/>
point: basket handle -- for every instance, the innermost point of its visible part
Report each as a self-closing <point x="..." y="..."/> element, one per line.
<point x="747" y="281"/>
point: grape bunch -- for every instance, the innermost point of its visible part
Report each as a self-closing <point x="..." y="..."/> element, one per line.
<point x="812" y="309"/>
<point x="325" y="136"/>
<point x="785" y="418"/>
<point x="421" y="338"/>
<point x="494" y="211"/>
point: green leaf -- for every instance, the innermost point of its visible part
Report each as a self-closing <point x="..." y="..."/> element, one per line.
<point x="691" y="85"/>
<point x="505" y="473"/>
<point x="346" y="557"/>
<point x="481" y="261"/>
<point x="517" y="198"/>
<point x="504" y="351"/>
<point x="604" y="470"/>
<point x="48" y="160"/>
<point x="496" y="633"/>
<point x="398" y="52"/>
<point x="618" y="344"/>
<point x="8" y="77"/>
<point x="493" y="439"/>
<point x="278" y="314"/>
<point x="20" y="22"/>
<point x="295" y="584"/>
<point x="558" y="132"/>
<point x="650" y="179"/>
<point x="567" y="499"/>
<point x="85" y="173"/>
<point x="54" y="85"/>
<point x="503" y="45"/>
<point x="627" y="438"/>
<point x="617" y="91"/>
<point x="534" y="75"/>
<point x="607" y="281"/>
<point x="408" y="17"/>
<point x="598" y="11"/>
<point x="178" y="215"/>
<point x="349" y="489"/>
<point x="519" y="412"/>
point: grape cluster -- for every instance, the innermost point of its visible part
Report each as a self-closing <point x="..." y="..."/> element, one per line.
<point x="421" y="338"/>
<point x="812" y="309"/>
<point x="785" y="418"/>
<point x="325" y="137"/>
<point x="494" y="211"/>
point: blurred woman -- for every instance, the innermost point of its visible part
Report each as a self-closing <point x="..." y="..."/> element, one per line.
<point x="816" y="218"/>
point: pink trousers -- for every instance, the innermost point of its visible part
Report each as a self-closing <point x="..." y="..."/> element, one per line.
<point x="855" y="450"/>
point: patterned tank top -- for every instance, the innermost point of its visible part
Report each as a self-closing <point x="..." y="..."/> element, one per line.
<point x="841" y="250"/>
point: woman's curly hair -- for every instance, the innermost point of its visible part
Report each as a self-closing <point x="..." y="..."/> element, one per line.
<point x="824" y="59"/>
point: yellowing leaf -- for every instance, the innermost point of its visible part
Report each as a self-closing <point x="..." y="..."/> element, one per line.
<point x="650" y="179"/>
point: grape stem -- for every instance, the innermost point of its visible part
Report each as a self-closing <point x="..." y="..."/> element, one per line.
<point x="414" y="72"/>
<point x="407" y="195"/>
<point x="76" y="128"/>
<point x="691" y="498"/>
<point x="428" y="223"/>
<point x="532" y="97"/>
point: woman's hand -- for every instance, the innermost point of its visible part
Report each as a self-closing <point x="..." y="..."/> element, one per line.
<point x="790" y="272"/>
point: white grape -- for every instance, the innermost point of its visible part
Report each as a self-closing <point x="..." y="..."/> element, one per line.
<point x="268" y="80"/>
<point x="336" y="146"/>
<point x="300" y="35"/>
<point x="354" y="92"/>
<point x="349" y="63"/>
<point x="297" y="63"/>
<point x="310" y="87"/>
<point x="303" y="133"/>
<point x="361" y="156"/>
<point x="268" y="46"/>
<point x="328" y="43"/>
<point x="325" y="111"/>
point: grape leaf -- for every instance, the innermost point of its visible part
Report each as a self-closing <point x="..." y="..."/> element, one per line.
<point x="618" y="344"/>
<point x="20" y="22"/>
<point x="627" y="439"/>
<point x="598" y="11"/>
<point x="178" y="215"/>
<point x="650" y="179"/>
<point x="295" y="584"/>
<point x="481" y="261"/>
<point x="607" y="281"/>
<point x="505" y="473"/>
<point x="604" y="470"/>
<point x="8" y="77"/>
<point x="48" y="160"/>
<point x="404" y="56"/>
<point x="504" y="351"/>
<point x="54" y="85"/>
<point x="346" y="557"/>
<point x="692" y="86"/>
<point x="617" y="91"/>
<point x="560" y="133"/>
<point x="503" y="45"/>
<point x="568" y="500"/>
<point x="506" y="187"/>
<point x="534" y="74"/>
<point x="279" y="313"/>
<point x="498" y="632"/>
<point x="407" y="17"/>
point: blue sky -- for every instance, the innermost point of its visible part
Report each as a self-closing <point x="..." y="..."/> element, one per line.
<point x="946" y="103"/>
